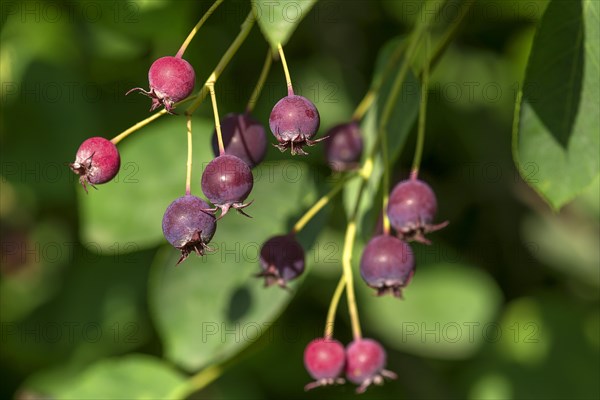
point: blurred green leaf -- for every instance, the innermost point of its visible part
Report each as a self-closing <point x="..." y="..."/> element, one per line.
<point x="556" y="134"/>
<point x="208" y="308"/>
<point x="446" y="313"/>
<point x="134" y="376"/>
<point x="130" y="208"/>
<point x="398" y="128"/>
<point x="279" y="19"/>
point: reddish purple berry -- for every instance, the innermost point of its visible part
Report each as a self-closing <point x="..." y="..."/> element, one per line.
<point x="187" y="226"/>
<point x="365" y="362"/>
<point x="411" y="209"/>
<point x="294" y="121"/>
<point x="97" y="161"/>
<point x="324" y="360"/>
<point x="243" y="137"/>
<point x="226" y="182"/>
<point x="387" y="264"/>
<point x="344" y="147"/>
<point x="171" y="80"/>
<point x="281" y="260"/>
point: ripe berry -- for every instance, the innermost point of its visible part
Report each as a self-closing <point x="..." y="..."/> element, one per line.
<point x="226" y="182"/>
<point x="365" y="362"/>
<point x="324" y="360"/>
<point x="281" y="260"/>
<point x="171" y="80"/>
<point x="411" y="209"/>
<point x="187" y="226"/>
<point x="243" y="137"/>
<point x="97" y="161"/>
<point x="387" y="264"/>
<point x="344" y="146"/>
<point x="294" y="121"/>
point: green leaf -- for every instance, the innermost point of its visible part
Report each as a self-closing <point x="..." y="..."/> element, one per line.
<point x="556" y="133"/>
<point x="132" y="377"/>
<point x="209" y="308"/>
<point x="445" y="314"/>
<point x="279" y="19"/>
<point x="129" y="209"/>
<point x="405" y="112"/>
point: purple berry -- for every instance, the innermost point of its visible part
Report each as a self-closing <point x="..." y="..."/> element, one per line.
<point x="411" y="209"/>
<point x="387" y="264"/>
<point x="281" y="260"/>
<point x="171" y="80"/>
<point x="344" y="146"/>
<point x="324" y="360"/>
<point x="243" y="137"/>
<point x="365" y="362"/>
<point x="97" y="161"/>
<point x="226" y="182"/>
<point x="294" y="121"/>
<point x="187" y="226"/>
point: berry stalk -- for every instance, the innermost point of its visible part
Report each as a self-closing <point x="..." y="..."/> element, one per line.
<point x="213" y="98"/>
<point x="188" y="177"/>
<point x="261" y="82"/>
<point x="335" y="300"/>
<point x="322" y="202"/>
<point x="196" y="28"/>
<point x="224" y="61"/>
<point x="347" y="267"/>
<point x="414" y="171"/>
<point x="285" y="70"/>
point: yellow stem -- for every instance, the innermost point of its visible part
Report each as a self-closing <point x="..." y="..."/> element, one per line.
<point x="347" y="267"/>
<point x="285" y="70"/>
<point x="213" y="97"/>
<point x="193" y="32"/>
<point x="335" y="300"/>
<point x="188" y="177"/>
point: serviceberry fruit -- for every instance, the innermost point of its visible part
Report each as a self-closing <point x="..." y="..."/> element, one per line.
<point x="411" y="209"/>
<point x="344" y="147"/>
<point x="226" y="182"/>
<point x="281" y="260"/>
<point x="294" y="121"/>
<point x="387" y="264"/>
<point x="187" y="226"/>
<point x="324" y="360"/>
<point x="97" y="161"/>
<point x="365" y="362"/>
<point x="243" y="137"/>
<point x="171" y="80"/>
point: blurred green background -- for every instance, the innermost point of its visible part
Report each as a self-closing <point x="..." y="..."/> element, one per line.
<point x="504" y="304"/>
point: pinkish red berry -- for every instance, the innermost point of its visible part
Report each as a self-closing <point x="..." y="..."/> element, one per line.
<point x="365" y="362"/>
<point x="171" y="80"/>
<point x="243" y="137"/>
<point x="324" y="360"/>
<point x="97" y="161"/>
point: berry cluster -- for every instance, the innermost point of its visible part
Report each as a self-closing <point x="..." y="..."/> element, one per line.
<point x="363" y="362"/>
<point x="239" y="144"/>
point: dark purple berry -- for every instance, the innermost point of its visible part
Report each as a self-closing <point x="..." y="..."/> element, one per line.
<point x="344" y="147"/>
<point x="387" y="264"/>
<point x="365" y="362"/>
<point x="226" y="182"/>
<point x="294" y="121"/>
<point x="411" y="209"/>
<point x="324" y="360"/>
<point x="97" y="161"/>
<point x="243" y="137"/>
<point x="171" y="80"/>
<point x="281" y="260"/>
<point x="187" y="226"/>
